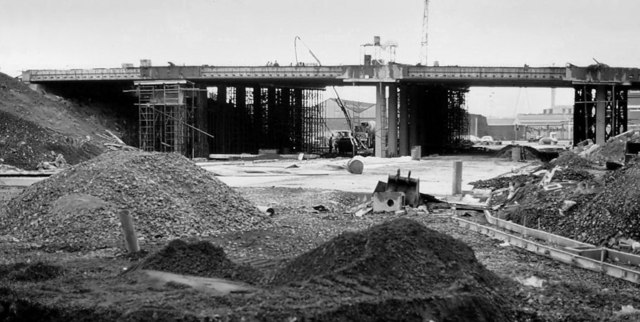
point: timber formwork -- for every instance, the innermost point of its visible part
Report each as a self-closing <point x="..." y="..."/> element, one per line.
<point x="167" y="113"/>
<point x="247" y="119"/>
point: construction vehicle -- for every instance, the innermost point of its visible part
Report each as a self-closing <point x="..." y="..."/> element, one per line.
<point x="358" y="145"/>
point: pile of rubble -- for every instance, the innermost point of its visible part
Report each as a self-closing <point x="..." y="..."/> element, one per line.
<point x="612" y="150"/>
<point x="167" y="195"/>
<point x="574" y="203"/>
<point x="611" y="212"/>
<point x="199" y="259"/>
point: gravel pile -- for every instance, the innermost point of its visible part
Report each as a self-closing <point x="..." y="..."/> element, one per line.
<point x="570" y="159"/>
<point x="613" y="211"/>
<point x="168" y="196"/>
<point x="397" y="256"/>
<point x="200" y="259"/>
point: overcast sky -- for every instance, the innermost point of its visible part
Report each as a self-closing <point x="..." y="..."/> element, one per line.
<point x="36" y="34"/>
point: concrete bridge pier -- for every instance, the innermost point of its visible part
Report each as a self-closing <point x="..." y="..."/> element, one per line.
<point x="380" y="147"/>
<point x="392" y="148"/>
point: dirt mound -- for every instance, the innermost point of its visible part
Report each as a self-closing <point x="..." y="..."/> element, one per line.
<point x="167" y="195"/>
<point x="416" y="273"/>
<point x="199" y="259"/>
<point x="30" y="272"/>
<point x="401" y="255"/>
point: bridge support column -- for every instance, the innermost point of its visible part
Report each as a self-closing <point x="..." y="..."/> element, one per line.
<point x="392" y="149"/>
<point x="404" y="121"/>
<point x="380" y="150"/>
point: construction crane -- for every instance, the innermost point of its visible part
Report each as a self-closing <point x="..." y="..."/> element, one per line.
<point x="357" y="143"/>
<point x="425" y="34"/>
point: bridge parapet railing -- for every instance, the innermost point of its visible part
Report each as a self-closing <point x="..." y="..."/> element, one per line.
<point x="556" y="73"/>
<point x="82" y="74"/>
<point x="272" y="72"/>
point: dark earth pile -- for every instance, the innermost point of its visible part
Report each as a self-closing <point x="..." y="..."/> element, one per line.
<point x="167" y="195"/>
<point x="35" y="127"/>
<point x="400" y="257"/>
<point x="200" y="259"/>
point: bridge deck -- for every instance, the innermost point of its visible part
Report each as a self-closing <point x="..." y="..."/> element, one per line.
<point x="352" y="75"/>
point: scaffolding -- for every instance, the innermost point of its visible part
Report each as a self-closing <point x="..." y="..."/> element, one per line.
<point x="167" y="116"/>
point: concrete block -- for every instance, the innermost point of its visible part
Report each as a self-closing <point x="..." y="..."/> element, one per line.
<point x="388" y="201"/>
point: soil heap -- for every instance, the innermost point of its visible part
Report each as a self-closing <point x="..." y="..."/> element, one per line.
<point x="400" y="255"/>
<point x="199" y="259"/>
<point x="36" y="127"/>
<point x="409" y="267"/>
<point x="167" y="195"/>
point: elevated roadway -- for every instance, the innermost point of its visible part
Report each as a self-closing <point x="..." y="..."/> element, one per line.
<point x="321" y="76"/>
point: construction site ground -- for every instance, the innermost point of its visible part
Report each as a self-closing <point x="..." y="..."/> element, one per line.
<point x="90" y="285"/>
